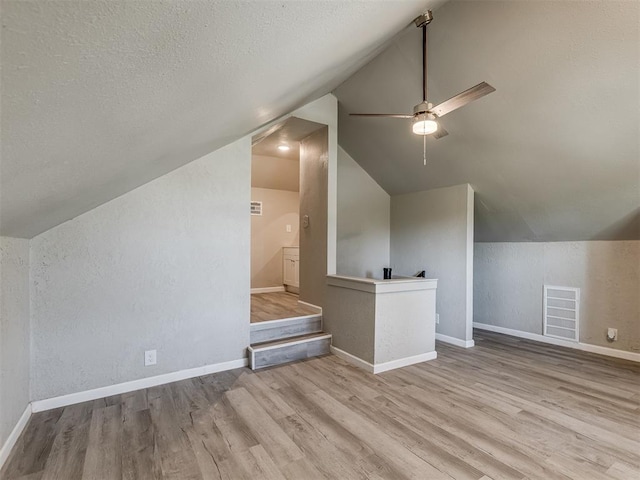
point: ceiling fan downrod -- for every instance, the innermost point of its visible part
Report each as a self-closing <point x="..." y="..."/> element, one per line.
<point x="421" y="22"/>
<point x="425" y="116"/>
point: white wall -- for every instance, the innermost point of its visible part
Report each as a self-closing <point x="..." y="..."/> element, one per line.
<point x="164" y="267"/>
<point x="14" y="333"/>
<point x="509" y="279"/>
<point x="269" y="234"/>
<point x="364" y="211"/>
<point x="433" y="231"/>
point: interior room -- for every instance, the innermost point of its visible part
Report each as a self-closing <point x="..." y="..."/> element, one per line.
<point x="320" y="240"/>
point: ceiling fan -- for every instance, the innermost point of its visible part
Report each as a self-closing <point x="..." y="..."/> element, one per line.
<point x="425" y="114"/>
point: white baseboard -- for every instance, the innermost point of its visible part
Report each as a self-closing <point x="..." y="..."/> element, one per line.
<point x="352" y="359"/>
<point x="455" y="341"/>
<point x="404" y="362"/>
<point x="267" y="289"/>
<point x="119" y="388"/>
<point x="310" y="305"/>
<point x="382" y="367"/>
<point x="14" y="435"/>
<point x="586" y="347"/>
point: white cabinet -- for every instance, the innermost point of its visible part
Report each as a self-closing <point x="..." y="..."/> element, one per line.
<point x="291" y="267"/>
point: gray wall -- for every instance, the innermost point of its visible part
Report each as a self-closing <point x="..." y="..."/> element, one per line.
<point x="269" y="234"/>
<point x="164" y="267"/>
<point x="314" y="178"/>
<point x="349" y="315"/>
<point x="364" y="211"/>
<point x="14" y="332"/>
<point x="509" y="279"/>
<point x="433" y="230"/>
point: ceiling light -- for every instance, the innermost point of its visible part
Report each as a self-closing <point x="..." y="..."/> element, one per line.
<point x="424" y="126"/>
<point x="284" y="148"/>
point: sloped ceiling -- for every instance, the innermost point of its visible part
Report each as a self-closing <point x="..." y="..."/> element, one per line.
<point x="553" y="154"/>
<point x="99" y="97"/>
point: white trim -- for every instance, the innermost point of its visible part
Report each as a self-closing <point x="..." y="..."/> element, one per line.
<point x="404" y="362"/>
<point x="267" y="289"/>
<point x="268" y="324"/>
<point x="352" y="359"/>
<point x="468" y="323"/>
<point x="96" y="393"/>
<point x="372" y="285"/>
<point x="382" y="367"/>
<point x="455" y="341"/>
<point x="284" y="343"/>
<point x="307" y="304"/>
<point x="585" y="347"/>
<point x="14" y="435"/>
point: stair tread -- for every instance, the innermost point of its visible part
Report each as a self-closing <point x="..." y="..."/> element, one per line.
<point x="289" y="340"/>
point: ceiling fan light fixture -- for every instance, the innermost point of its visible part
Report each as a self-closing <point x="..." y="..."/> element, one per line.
<point x="424" y="126"/>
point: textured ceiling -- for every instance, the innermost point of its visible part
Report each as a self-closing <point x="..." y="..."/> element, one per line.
<point x="99" y="97"/>
<point x="276" y="169"/>
<point x="553" y="154"/>
<point x="289" y="133"/>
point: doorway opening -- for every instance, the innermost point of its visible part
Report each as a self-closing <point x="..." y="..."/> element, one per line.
<point x="276" y="221"/>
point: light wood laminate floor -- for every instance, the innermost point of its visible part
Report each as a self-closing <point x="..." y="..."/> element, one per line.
<point x="277" y="305"/>
<point x="506" y="409"/>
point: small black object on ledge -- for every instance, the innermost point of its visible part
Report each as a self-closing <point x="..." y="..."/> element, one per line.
<point x="421" y="274"/>
<point x="386" y="272"/>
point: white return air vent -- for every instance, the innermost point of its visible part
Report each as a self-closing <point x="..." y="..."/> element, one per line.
<point x="561" y="312"/>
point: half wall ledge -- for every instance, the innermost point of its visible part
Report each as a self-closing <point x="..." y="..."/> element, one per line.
<point x="381" y="324"/>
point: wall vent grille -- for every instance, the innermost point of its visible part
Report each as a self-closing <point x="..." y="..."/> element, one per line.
<point x="256" y="208"/>
<point x="561" y="312"/>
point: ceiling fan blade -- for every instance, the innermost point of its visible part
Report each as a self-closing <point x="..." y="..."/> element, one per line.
<point x="390" y="115"/>
<point x="441" y="132"/>
<point x="462" y="99"/>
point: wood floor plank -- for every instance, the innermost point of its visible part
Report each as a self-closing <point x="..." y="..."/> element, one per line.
<point x="140" y="459"/>
<point x="176" y="457"/>
<point x="34" y="446"/>
<point x="276" y="306"/>
<point x="106" y="429"/>
<point x="378" y="440"/>
<point x="265" y="429"/>
<point x="331" y="461"/>
<point x="506" y="409"/>
<point x="66" y="458"/>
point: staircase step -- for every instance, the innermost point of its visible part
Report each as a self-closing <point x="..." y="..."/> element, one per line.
<point x="285" y="328"/>
<point x="281" y="351"/>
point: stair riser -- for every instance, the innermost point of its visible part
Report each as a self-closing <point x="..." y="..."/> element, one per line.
<point x="271" y="331"/>
<point x="289" y="353"/>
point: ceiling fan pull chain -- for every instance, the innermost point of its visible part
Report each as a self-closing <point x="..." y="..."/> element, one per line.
<point x="424" y="149"/>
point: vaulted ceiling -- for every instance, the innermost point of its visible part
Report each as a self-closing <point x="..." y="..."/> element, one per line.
<point x="553" y="154"/>
<point x="99" y="97"/>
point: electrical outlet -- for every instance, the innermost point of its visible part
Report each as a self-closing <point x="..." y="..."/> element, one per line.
<point x="288" y="228"/>
<point x="612" y="334"/>
<point x="149" y="358"/>
<point x="437" y="319"/>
